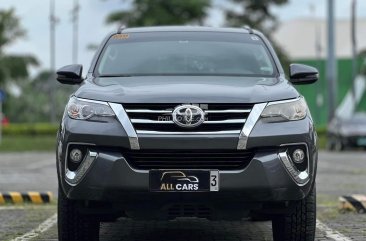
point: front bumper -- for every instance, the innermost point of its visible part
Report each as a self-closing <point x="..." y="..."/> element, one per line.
<point x="110" y="178"/>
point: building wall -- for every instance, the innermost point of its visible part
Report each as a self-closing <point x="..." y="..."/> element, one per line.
<point x="306" y="38"/>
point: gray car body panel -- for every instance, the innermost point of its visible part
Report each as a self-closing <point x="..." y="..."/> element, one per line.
<point x="187" y="89"/>
<point x="111" y="179"/>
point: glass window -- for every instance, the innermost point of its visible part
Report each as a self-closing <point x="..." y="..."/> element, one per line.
<point x="186" y="53"/>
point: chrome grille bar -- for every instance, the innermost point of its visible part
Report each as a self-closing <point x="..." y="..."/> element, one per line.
<point x="187" y="133"/>
<point x="147" y="121"/>
<point x="148" y="111"/>
<point x="157" y="118"/>
<point x="229" y="121"/>
<point x="227" y="111"/>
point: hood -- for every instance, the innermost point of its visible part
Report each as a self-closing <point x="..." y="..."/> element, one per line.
<point x="187" y="89"/>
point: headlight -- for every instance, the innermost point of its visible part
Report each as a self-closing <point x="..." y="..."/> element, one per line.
<point x="288" y="110"/>
<point x="81" y="109"/>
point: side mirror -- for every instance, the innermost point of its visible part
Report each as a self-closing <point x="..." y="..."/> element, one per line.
<point x="70" y="74"/>
<point x="303" y="74"/>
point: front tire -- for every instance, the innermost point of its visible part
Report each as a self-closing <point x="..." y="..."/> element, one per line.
<point x="298" y="225"/>
<point x="72" y="225"/>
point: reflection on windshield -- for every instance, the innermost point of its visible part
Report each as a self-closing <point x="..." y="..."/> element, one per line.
<point x="185" y="58"/>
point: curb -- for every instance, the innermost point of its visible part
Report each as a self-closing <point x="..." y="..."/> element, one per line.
<point x="25" y="197"/>
<point x="356" y="203"/>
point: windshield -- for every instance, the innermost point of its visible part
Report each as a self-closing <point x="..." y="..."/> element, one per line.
<point x="185" y="53"/>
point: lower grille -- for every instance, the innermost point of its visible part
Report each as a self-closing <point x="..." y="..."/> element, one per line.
<point x="188" y="159"/>
<point x="189" y="210"/>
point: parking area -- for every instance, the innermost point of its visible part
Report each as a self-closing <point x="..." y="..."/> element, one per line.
<point x="338" y="174"/>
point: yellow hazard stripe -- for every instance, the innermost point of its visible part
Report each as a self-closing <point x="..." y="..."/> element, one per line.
<point x="355" y="202"/>
<point x="50" y="196"/>
<point x="31" y="197"/>
<point x="16" y="197"/>
<point x="35" y="197"/>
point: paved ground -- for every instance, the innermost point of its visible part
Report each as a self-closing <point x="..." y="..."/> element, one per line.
<point x="28" y="172"/>
<point x="338" y="174"/>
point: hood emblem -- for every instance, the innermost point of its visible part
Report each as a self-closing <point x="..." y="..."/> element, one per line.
<point x="188" y="116"/>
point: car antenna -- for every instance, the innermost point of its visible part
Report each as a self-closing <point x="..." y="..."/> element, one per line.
<point x="250" y="30"/>
<point x="121" y="28"/>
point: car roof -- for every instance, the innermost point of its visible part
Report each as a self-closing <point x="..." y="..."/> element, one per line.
<point x="186" y="29"/>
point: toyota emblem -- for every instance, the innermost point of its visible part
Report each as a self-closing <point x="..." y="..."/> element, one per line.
<point x="188" y="116"/>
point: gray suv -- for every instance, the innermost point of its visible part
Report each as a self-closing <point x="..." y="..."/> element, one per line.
<point x="177" y="122"/>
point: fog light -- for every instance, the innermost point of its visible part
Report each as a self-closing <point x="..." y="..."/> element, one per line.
<point x="76" y="155"/>
<point x="298" y="156"/>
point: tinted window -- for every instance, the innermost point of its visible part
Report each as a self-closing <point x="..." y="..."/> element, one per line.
<point x="185" y="53"/>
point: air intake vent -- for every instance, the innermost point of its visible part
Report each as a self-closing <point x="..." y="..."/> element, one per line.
<point x="189" y="210"/>
<point x="188" y="159"/>
<point x="157" y="118"/>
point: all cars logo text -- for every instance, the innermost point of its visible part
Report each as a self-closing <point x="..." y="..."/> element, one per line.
<point x="178" y="181"/>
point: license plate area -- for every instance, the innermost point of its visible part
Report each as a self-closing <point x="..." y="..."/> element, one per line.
<point x="184" y="180"/>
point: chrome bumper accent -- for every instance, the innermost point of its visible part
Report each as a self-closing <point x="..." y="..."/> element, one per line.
<point x="301" y="178"/>
<point x="126" y="123"/>
<point x="249" y="125"/>
<point x="74" y="177"/>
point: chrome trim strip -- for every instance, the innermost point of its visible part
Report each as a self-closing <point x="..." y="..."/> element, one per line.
<point x="126" y="124"/>
<point x="74" y="177"/>
<point x="169" y="111"/>
<point x="133" y="169"/>
<point x="187" y="133"/>
<point x="227" y="111"/>
<point x="301" y="178"/>
<point x="91" y="101"/>
<point x="147" y="111"/>
<point x="66" y="156"/>
<point x="229" y="121"/>
<point x="283" y="101"/>
<point x="147" y="121"/>
<point x="249" y="125"/>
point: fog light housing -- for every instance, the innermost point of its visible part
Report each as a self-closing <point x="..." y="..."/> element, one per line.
<point x="298" y="156"/>
<point x="296" y="161"/>
<point x="76" y="155"/>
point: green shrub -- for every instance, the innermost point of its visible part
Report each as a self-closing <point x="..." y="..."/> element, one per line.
<point x="32" y="129"/>
<point x="322" y="130"/>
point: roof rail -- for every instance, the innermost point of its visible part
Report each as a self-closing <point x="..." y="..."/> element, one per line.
<point x="250" y="30"/>
<point x="121" y="28"/>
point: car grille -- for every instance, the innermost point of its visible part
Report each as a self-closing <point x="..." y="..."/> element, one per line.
<point x="157" y="118"/>
<point x="189" y="210"/>
<point x="188" y="159"/>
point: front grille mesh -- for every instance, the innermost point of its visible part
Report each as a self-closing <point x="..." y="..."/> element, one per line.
<point x="189" y="210"/>
<point x="157" y="118"/>
<point x="188" y="159"/>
